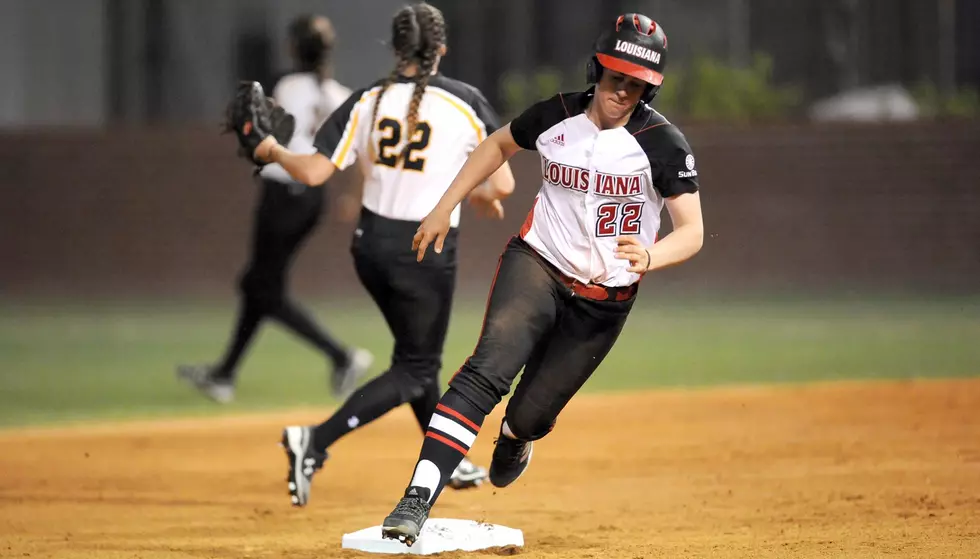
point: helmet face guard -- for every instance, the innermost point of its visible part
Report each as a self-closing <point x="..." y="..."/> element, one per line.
<point x="637" y="47"/>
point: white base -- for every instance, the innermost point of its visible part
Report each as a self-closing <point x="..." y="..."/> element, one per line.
<point x="438" y="535"/>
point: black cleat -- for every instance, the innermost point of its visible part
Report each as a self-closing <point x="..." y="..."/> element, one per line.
<point x="303" y="462"/>
<point x="405" y="522"/>
<point x="510" y="459"/>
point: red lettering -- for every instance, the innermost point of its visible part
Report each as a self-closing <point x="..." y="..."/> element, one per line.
<point x="621" y="186"/>
<point x="567" y="174"/>
<point x="634" y="185"/>
<point x="602" y="184"/>
<point x="554" y="174"/>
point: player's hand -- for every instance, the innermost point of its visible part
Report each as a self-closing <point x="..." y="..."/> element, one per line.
<point x="486" y="204"/>
<point x="434" y="228"/>
<point x="630" y="248"/>
<point x="263" y="151"/>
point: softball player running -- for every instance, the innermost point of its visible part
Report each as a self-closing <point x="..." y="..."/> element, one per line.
<point x="286" y="215"/>
<point x="565" y="286"/>
<point x="411" y="133"/>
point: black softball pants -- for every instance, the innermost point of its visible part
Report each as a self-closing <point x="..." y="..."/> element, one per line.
<point x="415" y="299"/>
<point x="557" y="329"/>
<point x="284" y="218"/>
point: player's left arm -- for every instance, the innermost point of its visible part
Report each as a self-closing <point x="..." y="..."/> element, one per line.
<point x="676" y="180"/>
<point x="679" y="245"/>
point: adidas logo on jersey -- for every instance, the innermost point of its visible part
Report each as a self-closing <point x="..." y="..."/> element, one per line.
<point x="559" y="140"/>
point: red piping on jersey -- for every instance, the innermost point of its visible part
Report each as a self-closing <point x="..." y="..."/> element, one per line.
<point x="529" y="220"/>
<point x="562" y="99"/>
<point x="649" y="127"/>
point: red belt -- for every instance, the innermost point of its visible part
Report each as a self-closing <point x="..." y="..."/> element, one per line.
<point x="592" y="291"/>
<point x="598" y="292"/>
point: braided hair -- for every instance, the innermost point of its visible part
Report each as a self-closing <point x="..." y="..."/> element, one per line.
<point x="417" y="33"/>
<point x="312" y="39"/>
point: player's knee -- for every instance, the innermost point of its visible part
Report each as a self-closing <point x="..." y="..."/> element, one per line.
<point x="529" y="424"/>
<point x="471" y="381"/>
<point x="480" y="391"/>
<point x="414" y="382"/>
<point x="262" y="297"/>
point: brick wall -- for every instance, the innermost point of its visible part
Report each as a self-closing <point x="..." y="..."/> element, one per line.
<point x="167" y="212"/>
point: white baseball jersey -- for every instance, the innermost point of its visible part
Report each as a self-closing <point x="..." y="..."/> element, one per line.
<point x="453" y="119"/>
<point x="311" y="101"/>
<point x="599" y="184"/>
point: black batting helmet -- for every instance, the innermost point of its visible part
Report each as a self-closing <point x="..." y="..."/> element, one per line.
<point x="636" y="46"/>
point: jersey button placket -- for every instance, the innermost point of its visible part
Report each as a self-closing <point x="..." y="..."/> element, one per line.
<point x="589" y="215"/>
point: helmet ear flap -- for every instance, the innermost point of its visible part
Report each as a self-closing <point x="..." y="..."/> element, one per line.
<point x="593" y="71"/>
<point x="649" y="93"/>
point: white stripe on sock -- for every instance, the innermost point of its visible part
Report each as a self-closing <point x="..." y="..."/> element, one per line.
<point x="453" y="429"/>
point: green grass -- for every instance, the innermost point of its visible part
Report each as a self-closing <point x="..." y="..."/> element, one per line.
<point x="66" y="363"/>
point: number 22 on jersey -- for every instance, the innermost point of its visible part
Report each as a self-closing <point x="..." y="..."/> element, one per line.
<point x="614" y="219"/>
<point x="391" y="131"/>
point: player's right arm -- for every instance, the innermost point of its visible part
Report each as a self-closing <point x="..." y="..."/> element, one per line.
<point x="311" y="170"/>
<point x="487" y="161"/>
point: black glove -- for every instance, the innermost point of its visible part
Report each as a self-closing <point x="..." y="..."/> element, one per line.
<point x="254" y="117"/>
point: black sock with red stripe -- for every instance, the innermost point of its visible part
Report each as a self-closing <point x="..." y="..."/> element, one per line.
<point x="452" y="431"/>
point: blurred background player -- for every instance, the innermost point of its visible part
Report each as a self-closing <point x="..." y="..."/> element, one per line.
<point x="411" y="132"/>
<point x="565" y="286"/>
<point x="287" y="213"/>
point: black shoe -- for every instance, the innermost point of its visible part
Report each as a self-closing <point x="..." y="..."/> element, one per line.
<point x="405" y="522"/>
<point x="303" y="462"/>
<point x="510" y="458"/>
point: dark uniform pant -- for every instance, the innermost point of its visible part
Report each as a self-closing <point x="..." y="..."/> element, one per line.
<point x="284" y="218"/>
<point x="415" y="298"/>
<point x="557" y="329"/>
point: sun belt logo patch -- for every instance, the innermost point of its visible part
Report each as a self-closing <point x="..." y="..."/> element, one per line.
<point x="690" y="172"/>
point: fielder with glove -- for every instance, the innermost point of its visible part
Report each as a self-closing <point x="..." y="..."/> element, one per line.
<point x="409" y="132"/>
<point x="287" y="213"/>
